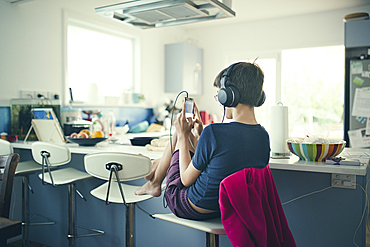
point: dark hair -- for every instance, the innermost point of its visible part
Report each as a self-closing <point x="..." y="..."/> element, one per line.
<point x="248" y="79"/>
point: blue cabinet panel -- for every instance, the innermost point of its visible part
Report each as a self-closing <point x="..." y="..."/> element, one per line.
<point x="357" y="33"/>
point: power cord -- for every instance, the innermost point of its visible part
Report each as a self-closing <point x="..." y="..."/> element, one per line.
<point x="308" y="194"/>
<point x="366" y="206"/>
<point x="173" y="110"/>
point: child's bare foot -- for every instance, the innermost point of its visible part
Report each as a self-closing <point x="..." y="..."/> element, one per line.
<point x="155" y="164"/>
<point x="149" y="188"/>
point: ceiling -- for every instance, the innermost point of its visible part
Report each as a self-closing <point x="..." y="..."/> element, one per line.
<point x="255" y="10"/>
<point x="266" y="9"/>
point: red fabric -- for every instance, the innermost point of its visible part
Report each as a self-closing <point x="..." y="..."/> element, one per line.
<point x="251" y="210"/>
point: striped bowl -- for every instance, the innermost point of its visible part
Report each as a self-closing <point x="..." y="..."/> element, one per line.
<point x="316" y="152"/>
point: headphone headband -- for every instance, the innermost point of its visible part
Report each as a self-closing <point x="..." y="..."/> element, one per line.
<point x="229" y="95"/>
<point x="226" y="74"/>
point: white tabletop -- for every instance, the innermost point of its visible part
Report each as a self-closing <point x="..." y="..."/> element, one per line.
<point x="101" y="147"/>
<point x="293" y="163"/>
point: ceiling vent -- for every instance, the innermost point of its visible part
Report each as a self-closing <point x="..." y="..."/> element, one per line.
<point x="17" y="1"/>
<point x="160" y="13"/>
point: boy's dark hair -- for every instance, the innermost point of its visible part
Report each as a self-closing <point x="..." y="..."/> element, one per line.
<point x="248" y="79"/>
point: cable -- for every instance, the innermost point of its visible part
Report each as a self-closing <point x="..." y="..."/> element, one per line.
<point x="223" y="116"/>
<point x="173" y="109"/>
<point x="150" y="215"/>
<point x="311" y="193"/>
<point x="363" y="213"/>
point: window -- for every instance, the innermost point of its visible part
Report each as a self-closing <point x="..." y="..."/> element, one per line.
<point x="100" y="64"/>
<point x="310" y="82"/>
<point x="269" y="65"/>
<point x="313" y="82"/>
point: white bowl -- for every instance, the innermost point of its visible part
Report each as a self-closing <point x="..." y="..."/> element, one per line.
<point x="121" y="130"/>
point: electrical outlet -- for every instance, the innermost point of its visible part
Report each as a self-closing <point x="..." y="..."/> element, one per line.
<point x="343" y="181"/>
<point x="24" y="94"/>
<point x="52" y="95"/>
<point x="38" y="93"/>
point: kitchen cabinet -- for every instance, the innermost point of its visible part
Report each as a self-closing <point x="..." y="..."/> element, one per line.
<point x="357" y="33"/>
<point x="183" y="68"/>
<point x="318" y="215"/>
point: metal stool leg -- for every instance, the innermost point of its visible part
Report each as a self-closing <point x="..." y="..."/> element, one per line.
<point x="71" y="213"/>
<point x="212" y="240"/>
<point x="72" y="227"/>
<point x="130" y="225"/>
<point x="25" y="218"/>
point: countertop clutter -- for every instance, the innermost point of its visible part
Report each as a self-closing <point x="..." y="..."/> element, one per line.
<point x="291" y="163"/>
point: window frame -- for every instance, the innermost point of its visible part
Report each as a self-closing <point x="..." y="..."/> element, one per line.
<point x="83" y="21"/>
<point x="279" y="87"/>
<point x="276" y="55"/>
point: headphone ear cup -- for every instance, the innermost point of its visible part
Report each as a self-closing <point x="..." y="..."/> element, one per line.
<point x="262" y="99"/>
<point x="222" y="96"/>
<point x="229" y="96"/>
<point x="235" y="96"/>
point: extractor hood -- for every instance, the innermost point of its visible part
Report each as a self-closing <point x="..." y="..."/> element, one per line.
<point x="161" y="13"/>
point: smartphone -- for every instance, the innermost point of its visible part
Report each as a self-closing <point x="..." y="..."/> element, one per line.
<point x="189" y="107"/>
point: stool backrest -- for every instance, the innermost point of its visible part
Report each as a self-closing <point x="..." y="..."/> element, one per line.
<point x="8" y="164"/>
<point x="5" y="147"/>
<point x="132" y="166"/>
<point x="59" y="153"/>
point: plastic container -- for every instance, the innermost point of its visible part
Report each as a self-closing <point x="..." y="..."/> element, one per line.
<point x="140" y="127"/>
<point x="111" y="124"/>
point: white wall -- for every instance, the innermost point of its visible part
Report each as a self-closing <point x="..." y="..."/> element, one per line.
<point x="322" y="29"/>
<point x="31" y="46"/>
<point x="31" y="56"/>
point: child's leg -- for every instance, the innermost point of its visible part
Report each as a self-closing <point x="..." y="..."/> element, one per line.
<point x="159" y="171"/>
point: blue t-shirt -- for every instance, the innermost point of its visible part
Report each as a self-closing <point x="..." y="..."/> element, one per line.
<point x="222" y="150"/>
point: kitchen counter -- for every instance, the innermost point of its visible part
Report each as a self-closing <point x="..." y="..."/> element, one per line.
<point x="292" y="163"/>
<point x="100" y="147"/>
<point x="318" y="213"/>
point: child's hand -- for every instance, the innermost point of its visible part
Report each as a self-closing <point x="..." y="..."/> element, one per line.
<point x="184" y="125"/>
<point x="198" y="125"/>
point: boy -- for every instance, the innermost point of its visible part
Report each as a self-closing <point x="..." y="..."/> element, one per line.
<point x="202" y="158"/>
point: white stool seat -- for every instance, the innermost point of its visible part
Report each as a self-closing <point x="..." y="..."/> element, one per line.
<point x="49" y="155"/>
<point x="65" y="176"/>
<point x="27" y="167"/>
<point x="117" y="167"/>
<point x="24" y="169"/>
<point x="115" y="195"/>
<point x="213" y="226"/>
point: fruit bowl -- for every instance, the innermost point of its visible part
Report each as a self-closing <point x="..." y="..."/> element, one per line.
<point x="315" y="151"/>
<point x="86" y="141"/>
<point x="141" y="141"/>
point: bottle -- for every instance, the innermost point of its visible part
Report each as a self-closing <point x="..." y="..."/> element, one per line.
<point x="111" y="125"/>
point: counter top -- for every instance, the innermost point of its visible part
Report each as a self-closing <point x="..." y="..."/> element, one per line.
<point x="101" y="147"/>
<point x="292" y="163"/>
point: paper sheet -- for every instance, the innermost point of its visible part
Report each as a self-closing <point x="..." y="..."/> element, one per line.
<point x="361" y="102"/>
<point x="358" y="138"/>
<point x="356" y="67"/>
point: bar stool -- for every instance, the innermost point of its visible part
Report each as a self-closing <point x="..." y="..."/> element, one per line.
<point x="24" y="169"/>
<point x="8" y="228"/>
<point x="213" y="227"/>
<point x="48" y="155"/>
<point x="125" y="167"/>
